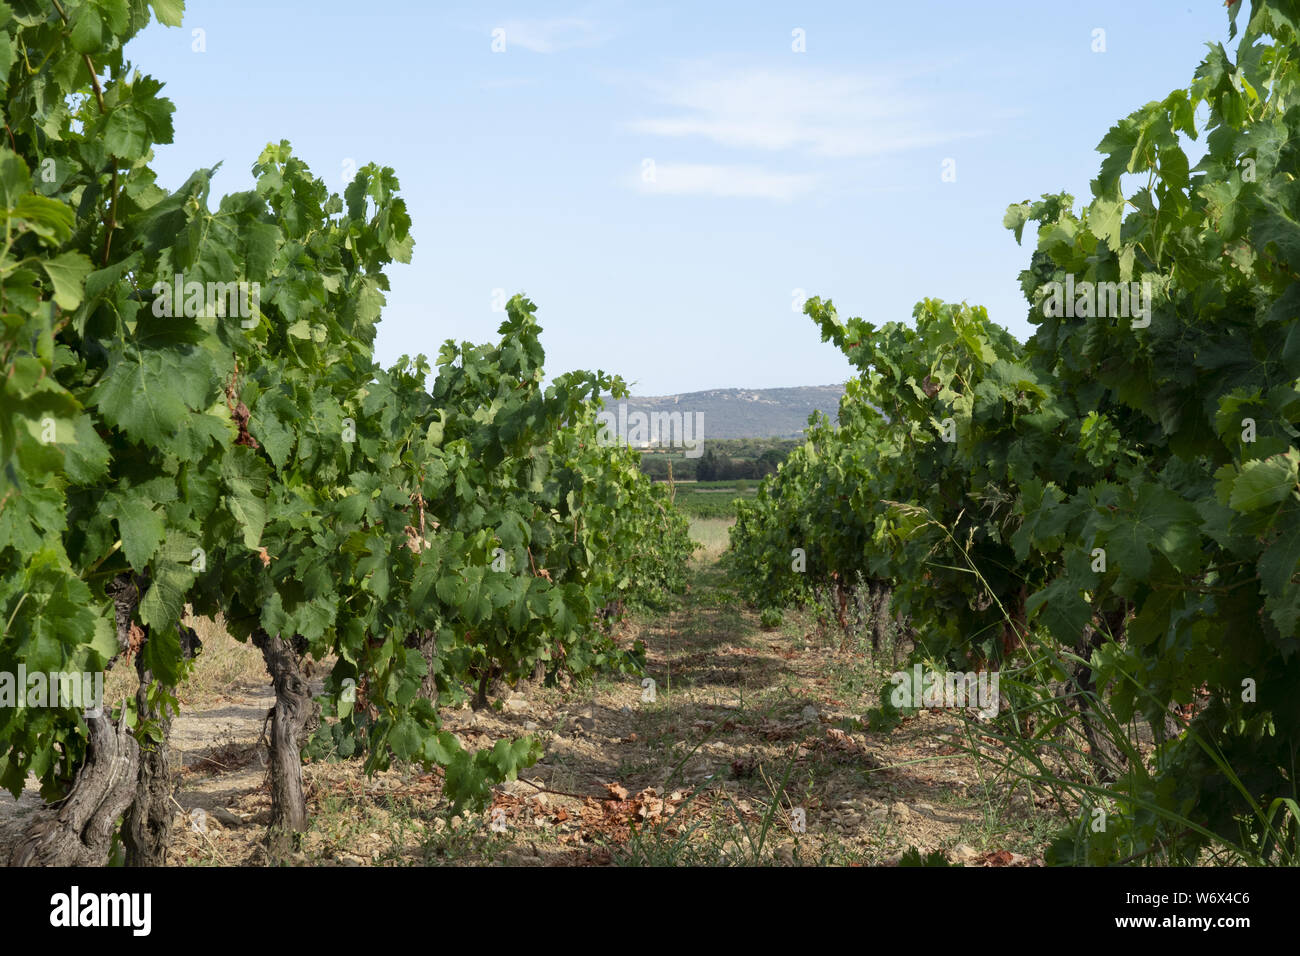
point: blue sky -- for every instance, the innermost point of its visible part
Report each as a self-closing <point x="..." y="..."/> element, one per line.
<point x="773" y="171"/>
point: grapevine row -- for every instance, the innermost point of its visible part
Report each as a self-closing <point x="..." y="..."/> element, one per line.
<point x="240" y="453"/>
<point x="1110" y="511"/>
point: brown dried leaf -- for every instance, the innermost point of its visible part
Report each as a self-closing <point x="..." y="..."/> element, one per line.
<point x="134" y="640"/>
<point x="616" y="792"/>
<point x="1000" y="858"/>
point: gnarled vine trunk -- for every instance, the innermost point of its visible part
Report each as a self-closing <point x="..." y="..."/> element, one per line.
<point x="147" y="832"/>
<point x="1108" y="760"/>
<point x="426" y="641"/>
<point x="291" y="717"/>
<point x="78" y="831"/>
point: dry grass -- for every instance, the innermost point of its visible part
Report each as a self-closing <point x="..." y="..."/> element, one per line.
<point x="225" y="666"/>
<point x="714" y="534"/>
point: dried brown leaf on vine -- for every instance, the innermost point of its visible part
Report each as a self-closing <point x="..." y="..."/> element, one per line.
<point x="239" y="412"/>
<point x="134" y="640"/>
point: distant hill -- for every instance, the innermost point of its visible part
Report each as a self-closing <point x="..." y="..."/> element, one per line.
<point x="744" y="412"/>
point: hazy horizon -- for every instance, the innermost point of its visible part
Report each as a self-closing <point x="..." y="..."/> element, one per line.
<point x="738" y="388"/>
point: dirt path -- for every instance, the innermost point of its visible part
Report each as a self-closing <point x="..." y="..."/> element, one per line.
<point x="749" y="747"/>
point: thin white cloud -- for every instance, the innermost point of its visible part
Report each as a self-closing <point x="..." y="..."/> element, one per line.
<point x="833" y="115"/>
<point x="552" y="35"/>
<point x="510" y="83"/>
<point x="695" y="179"/>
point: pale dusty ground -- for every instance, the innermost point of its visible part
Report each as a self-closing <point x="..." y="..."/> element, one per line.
<point x="686" y="778"/>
